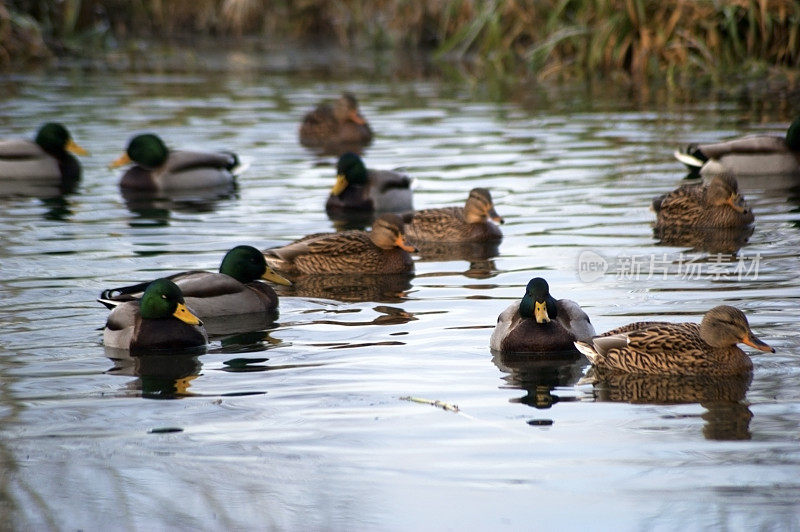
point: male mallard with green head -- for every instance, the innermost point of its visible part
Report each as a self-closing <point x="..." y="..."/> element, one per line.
<point x="359" y="190"/>
<point x="380" y="251"/>
<point x="47" y="157"/>
<point x="751" y="155"/>
<point x="339" y="124"/>
<point x="653" y="347"/>
<point x="160" y="320"/>
<point x="456" y="224"/>
<point x="157" y="168"/>
<point x="236" y="289"/>
<point x="539" y="323"/>
<point x="715" y="203"/>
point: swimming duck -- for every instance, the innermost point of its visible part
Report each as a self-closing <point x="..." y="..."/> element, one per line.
<point x="158" y="168"/>
<point x="655" y="347"/>
<point x="339" y="124"/>
<point x="750" y="155"/>
<point x="160" y="320"/>
<point x="716" y="203"/>
<point x="360" y="190"/>
<point x="47" y="157"/>
<point x="234" y="290"/>
<point x="380" y="251"/>
<point x="456" y="224"/>
<point x="539" y="323"/>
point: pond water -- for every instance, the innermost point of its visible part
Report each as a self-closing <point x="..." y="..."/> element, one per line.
<point x="302" y="425"/>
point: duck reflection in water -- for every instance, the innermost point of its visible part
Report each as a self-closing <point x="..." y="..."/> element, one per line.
<point x="159" y="376"/>
<point x="727" y="415"/>
<point x="155" y="208"/>
<point x="540" y="375"/>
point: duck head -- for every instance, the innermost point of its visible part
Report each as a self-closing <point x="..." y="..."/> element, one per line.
<point x="147" y="150"/>
<point x="163" y="299"/>
<point x="54" y="138"/>
<point x="350" y="170"/>
<point x="537" y="303"/>
<point x="723" y="190"/>
<point x="480" y="207"/>
<point x="726" y="326"/>
<point x="387" y="233"/>
<point x="246" y="264"/>
<point x="346" y="109"/>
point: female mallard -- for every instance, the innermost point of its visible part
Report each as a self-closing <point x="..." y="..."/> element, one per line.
<point x="46" y="157"/>
<point x="654" y="347"/>
<point x="455" y="224"/>
<point x="716" y="203"/>
<point x="539" y="324"/>
<point x="358" y="190"/>
<point x="234" y="290"/>
<point x="381" y="251"/>
<point x="750" y="155"/>
<point x="159" y="169"/>
<point x="340" y="124"/>
<point x="160" y="320"/>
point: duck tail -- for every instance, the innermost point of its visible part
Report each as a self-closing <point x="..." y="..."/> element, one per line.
<point x="587" y="349"/>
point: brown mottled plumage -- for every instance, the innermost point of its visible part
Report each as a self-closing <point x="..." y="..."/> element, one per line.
<point x="716" y="203"/>
<point x="339" y="124"/>
<point x="708" y="348"/>
<point x="456" y="224"/>
<point x="382" y="250"/>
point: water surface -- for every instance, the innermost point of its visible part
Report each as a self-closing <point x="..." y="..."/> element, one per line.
<point x="302" y="426"/>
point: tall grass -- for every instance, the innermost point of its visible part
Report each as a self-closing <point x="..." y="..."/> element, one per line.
<point x="546" y="38"/>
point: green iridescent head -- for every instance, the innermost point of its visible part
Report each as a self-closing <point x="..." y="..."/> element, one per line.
<point x="246" y="264"/>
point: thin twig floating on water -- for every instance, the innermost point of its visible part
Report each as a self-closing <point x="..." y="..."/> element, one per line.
<point x="440" y="404"/>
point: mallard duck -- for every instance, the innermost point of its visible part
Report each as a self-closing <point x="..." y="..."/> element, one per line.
<point x="750" y="155"/>
<point x="337" y="124"/>
<point x="358" y="190"/>
<point x="716" y="203"/>
<point x="455" y="224"/>
<point x="47" y="157"/>
<point x="380" y="251"/>
<point x="234" y="290"/>
<point x="158" y="168"/>
<point x="539" y="323"/>
<point x="653" y="347"/>
<point x="160" y="320"/>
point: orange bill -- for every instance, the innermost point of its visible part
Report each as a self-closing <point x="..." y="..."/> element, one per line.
<point x="122" y="160"/>
<point x="74" y="148"/>
<point x="753" y="341"/>
<point x="401" y="243"/>
<point x="353" y="116"/>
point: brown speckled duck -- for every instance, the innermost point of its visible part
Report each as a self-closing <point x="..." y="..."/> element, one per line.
<point x="652" y="347"/>
<point x="715" y="203"/>
<point x="380" y="251"/>
<point x="456" y="224"/>
<point x="539" y="323"/>
<point x="158" y="168"/>
<point x="337" y="124"/>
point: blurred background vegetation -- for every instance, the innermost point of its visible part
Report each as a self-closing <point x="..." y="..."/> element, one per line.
<point x="672" y="40"/>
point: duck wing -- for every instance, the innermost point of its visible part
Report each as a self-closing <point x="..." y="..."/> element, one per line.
<point x="20" y="149"/>
<point x="183" y="160"/>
